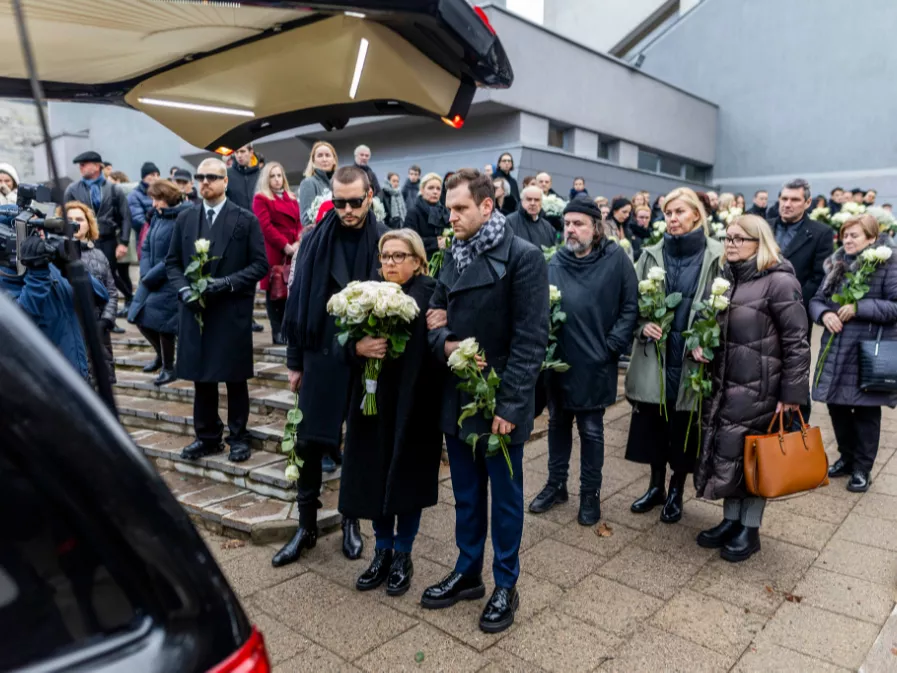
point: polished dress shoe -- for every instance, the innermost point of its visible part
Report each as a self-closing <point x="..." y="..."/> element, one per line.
<point x="548" y="497"/>
<point x="400" y="573"/>
<point x="499" y="611"/>
<point x="328" y="466"/>
<point x="377" y="572"/>
<point x="719" y="535"/>
<point x="353" y="545"/>
<point x="859" y="482"/>
<point x="452" y="588"/>
<point x="672" y="508"/>
<point x="589" y="508"/>
<point x="153" y="366"/>
<point x="742" y="546"/>
<point x="239" y="452"/>
<point x="303" y="538"/>
<point x="199" y="448"/>
<point x="840" y="469"/>
<point x="166" y="376"/>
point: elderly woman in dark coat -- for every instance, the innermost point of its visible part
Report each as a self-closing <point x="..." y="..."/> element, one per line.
<point x="428" y="216"/>
<point x="762" y="368"/>
<point x="391" y="460"/>
<point x="856" y="415"/>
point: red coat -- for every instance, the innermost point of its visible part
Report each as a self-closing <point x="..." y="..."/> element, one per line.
<point x="279" y="218"/>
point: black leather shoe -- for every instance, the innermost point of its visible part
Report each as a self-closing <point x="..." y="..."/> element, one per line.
<point x="719" y="535"/>
<point x="655" y="495"/>
<point x="400" y="573"/>
<point x="199" y="448"/>
<point x="353" y="545"/>
<point x="256" y="327"/>
<point x="239" y="451"/>
<point x="153" y="366"/>
<point x="279" y="340"/>
<point x="499" y="611"/>
<point x="840" y="469"/>
<point x="859" y="482"/>
<point x="167" y="376"/>
<point x="328" y="466"/>
<point x="377" y="572"/>
<point x="672" y="508"/>
<point x="742" y="546"/>
<point x="548" y="497"/>
<point x="303" y="538"/>
<point x="589" y="508"/>
<point x="452" y="588"/>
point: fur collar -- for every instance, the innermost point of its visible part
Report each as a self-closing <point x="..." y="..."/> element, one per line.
<point x="837" y="266"/>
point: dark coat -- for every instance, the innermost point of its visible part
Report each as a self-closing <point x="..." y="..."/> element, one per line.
<point x="155" y="304"/>
<point x="501" y="299"/>
<point x="391" y="460"/>
<point x="763" y="359"/>
<point x="241" y="181"/>
<point x="113" y="215"/>
<point x="140" y="205"/>
<point x="309" y="189"/>
<point x="811" y="246"/>
<point x="515" y="189"/>
<point x="839" y="381"/>
<point x="279" y="220"/>
<point x="538" y="232"/>
<point x="99" y="268"/>
<point x="223" y="350"/>
<point x="372" y="177"/>
<point x="429" y="221"/>
<point x="596" y="333"/>
<point x="410" y="192"/>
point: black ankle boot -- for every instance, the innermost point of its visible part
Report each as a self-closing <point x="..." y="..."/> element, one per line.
<point x="719" y="535"/>
<point x="548" y="497"/>
<point x="377" y="572"/>
<point x="400" y="574"/>
<point x="672" y="509"/>
<point x="741" y="547"/>
<point x="353" y="545"/>
<point x="859" y="481"/>
<point x="589" y="508"/>
<point x="304" y="538"/>
<point x="167" y="376"/>
<point x="153" y="366"/>
<point x="655" y="495"/>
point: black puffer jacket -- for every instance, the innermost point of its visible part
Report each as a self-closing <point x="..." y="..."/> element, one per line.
<point x="98" y="267"/>
<point x="429" y="220"/>
<point x="241" y="182"/>
<point x="763" y="359"/>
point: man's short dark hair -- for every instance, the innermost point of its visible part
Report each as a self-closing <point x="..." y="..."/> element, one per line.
<point x="857" y="190"/>
<point x="798" y="183"/>
<point x="346" y="175"/>
<point x="480" y="186"/>
<point x="415" y="167"/>
<point x="106" y="164"/>
<point x="759" y="192"/>
<point x="836" y="189"/>
<point x="887" y="205"/>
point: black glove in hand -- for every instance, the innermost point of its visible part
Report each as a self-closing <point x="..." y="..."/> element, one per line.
<point x="35" y="253"/>
<point x="218" y="285"/>
<point x="192" y="304"/>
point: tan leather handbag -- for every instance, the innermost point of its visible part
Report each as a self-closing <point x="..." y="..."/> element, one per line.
<point x="784" y="463"/>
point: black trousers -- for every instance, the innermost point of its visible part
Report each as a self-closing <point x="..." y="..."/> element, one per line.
<point x="162" y="343"/>
<point x="658" y="442"/>
<point x="857" y="430"/>
<point x="310" y="480"/>
<point x="207" y="422"/>
<point x="275" y="310"/>
<point x="560" y="445"/>
<point x="120" y="272"/>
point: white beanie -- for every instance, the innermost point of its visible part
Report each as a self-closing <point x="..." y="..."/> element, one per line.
<point x="10" y="171"/>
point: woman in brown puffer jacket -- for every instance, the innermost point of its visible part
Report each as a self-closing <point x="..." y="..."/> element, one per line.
<point x="762" y="367"/>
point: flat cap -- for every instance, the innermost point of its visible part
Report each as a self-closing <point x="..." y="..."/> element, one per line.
<point x="88" y="157"/>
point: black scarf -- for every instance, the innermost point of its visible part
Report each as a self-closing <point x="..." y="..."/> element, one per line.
<point x="306" y="309"/>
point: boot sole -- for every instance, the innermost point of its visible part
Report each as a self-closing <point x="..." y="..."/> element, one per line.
<point x="542" y="510"/>
<point x="854" y="489"/>
<point x="466" y="595"/>
<point x="741" y="556"/>
<point x="400" y="590"/>
<point x="667" y="519"/>
<point x="498" y="627"/>
<point x="371" y="587"/>
<point x="203" y="453"/>
<point x="648" y="508"/>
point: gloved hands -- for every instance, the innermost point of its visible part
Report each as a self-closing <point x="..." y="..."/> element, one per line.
<point x="192" y="304"/>
<point x="36" y="253"/>
<point x="218" y="285"/>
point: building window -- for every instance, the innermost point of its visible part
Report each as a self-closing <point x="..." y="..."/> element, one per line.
<point x="647" y="161"/>
<point x="671" y="166"/>
<point x="603" y="149"/>
<point x="560" y="136"/>
<point x="696" y="173"/>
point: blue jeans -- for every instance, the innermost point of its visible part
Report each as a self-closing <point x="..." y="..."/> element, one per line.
<point x="471" y="474"/>
<point x="400" y="535"/>
<point x="560" y="445"/>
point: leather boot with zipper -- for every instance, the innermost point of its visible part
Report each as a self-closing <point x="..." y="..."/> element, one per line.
<point x="655" y="495"/>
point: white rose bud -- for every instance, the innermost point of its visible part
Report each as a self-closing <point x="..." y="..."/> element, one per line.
<point x="646" y="287"/>
<point x="720" y="286"/>
<point x="291" y="473"/>
<point x="884" y="252"/>
<point x="625" y="244"/>
<point x="660" y="226"/>
<point x="869" y="255"/>
<point x="456" y="360"/>
<point x="202" y="246"/>
<point x="656" y="274"/>
<point x="469" y="347"/>
<point x="554" y="295"/>
<point x="719" y="302"/>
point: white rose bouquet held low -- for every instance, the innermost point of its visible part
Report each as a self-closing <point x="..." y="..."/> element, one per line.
<point x="311" y="213"/>
<point x="553" y="205"/>
<point x="556" y="319"/>
<point x="463" y="362"/>
<point x="658" y="229"/>
<point x="657" y="307"/>
<point x="704" y="333"/>
<point x="288" y="443"/>
<point x="438" y="258"/>
<point x="377" y="309"/>
<point x="855" y="289"/>
<point x="199" y="279"/>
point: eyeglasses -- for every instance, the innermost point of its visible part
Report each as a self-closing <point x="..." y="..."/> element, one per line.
<point x="208" y="177"/>
<point x="394" y="258"/>
<point x="737" y="241"/>
<point x="339" y="204"/>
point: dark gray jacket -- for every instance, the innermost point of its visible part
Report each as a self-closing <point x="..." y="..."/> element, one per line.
<point x="538" y="232"/>
<point x="309" y="189"/>
<point x="113" y="215"/>
<point x="99" y="268"/>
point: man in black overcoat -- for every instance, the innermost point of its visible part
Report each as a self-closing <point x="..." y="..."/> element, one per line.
<point x="493" y="288"/>
<point x="529" y="222"/>
<point x="222" y="351"/>
<point x="341" y="248"/>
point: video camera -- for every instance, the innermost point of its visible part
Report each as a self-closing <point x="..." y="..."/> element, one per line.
<point x="20" y="220"/>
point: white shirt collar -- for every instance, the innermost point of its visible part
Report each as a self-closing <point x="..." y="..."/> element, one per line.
<point x="215" y="209"/>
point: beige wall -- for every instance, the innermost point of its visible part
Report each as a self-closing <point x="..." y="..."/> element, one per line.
<point x="19" y="129"/>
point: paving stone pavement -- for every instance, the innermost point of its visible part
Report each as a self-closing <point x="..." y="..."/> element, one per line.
<point x="644" y="598"/>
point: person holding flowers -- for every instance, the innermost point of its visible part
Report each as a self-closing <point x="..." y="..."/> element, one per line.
<point x="493" y="298"/>
<point x="591" y="341"/>
<point x="760" y="368"/>
<point x="857" y="298"/>
<point x="672" y="274"/>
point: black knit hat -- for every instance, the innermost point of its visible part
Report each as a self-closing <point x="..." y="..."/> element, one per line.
<point x="148" y="169"/>
<point x="619" y="203"/>
<point x="583" y="204"/>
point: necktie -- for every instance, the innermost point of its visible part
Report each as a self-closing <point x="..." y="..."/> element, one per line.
<point x="210" y="215"/>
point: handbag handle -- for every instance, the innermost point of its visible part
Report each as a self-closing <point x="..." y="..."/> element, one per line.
<point x="781" y="414"/>
<point x="878" y="339"/>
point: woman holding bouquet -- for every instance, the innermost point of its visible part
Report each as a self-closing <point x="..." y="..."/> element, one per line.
<point x="856" y="415"/>
<point x="761" y="367"/>
<point x="322" y="162"/>
<point x="686" y="260"/>
<point x="391" y="460"/>
<point x="428" y="216"/>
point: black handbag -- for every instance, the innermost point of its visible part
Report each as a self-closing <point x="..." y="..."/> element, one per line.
<point x="878" y="365"/>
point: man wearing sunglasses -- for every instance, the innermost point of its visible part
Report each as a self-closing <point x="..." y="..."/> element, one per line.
<point x="339" y="249"/>
<point x="220" y="351"/>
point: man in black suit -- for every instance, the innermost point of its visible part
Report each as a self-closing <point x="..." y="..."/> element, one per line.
<point x="222" y="350"/>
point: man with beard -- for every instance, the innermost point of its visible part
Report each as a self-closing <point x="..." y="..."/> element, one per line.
<point x="529" y="222"/>
<point x="219" y="350"/>
<point x="494" y="289"/>
<point x="761" y="201"/>
<point x="339" y="249"/>
<point x="592" y="340"/>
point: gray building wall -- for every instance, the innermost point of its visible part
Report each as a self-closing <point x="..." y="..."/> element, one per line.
<point x="19" y="130"/>
<point x="804" y="88"/>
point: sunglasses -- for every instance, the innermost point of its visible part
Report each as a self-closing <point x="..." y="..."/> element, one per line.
<point x="208" y="177"/>
<point x="340" y="204"/>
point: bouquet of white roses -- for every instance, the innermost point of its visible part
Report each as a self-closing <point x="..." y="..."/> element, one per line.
<point x="885" y="219"/>
<point x="822" y="214"/>
<point x="438" y="258"/>
<point x="556" y="319"/>
<point x="199" y="279"/>
<point x="463" y="362"/>
<point x="553" y="205"/>
<point x="376" y="309"/>
<point x="658" y="229"/>
<point x="288" y="443"/>
<point x="311" y="213"/>
<point x="855" y="289"/>
<point x="657" y="307"/>
<point x="379" y="209"/>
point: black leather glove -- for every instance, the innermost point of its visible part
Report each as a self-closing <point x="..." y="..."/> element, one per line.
<point x="218" y="285"/>
<point x="36" y="253"/>
<point x="192" y="304"/>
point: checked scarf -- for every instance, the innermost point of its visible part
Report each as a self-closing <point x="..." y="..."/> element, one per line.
<point x="489" y="235"/>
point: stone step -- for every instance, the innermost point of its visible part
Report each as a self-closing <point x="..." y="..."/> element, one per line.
<point x="262" y="348"/>
<point x="267" y="374"/>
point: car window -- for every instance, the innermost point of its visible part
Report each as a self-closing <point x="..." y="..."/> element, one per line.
<point x="56" y="593"/>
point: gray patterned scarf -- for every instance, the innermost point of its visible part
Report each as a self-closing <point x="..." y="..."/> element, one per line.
<point x="489" y="235"/>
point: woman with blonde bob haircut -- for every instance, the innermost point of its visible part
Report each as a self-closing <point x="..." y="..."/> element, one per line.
<point x="322" y="162"/>
<point x="428" y="216"/>
<point x="761" y="368"/>
<point x="687" y="260"/>
<point x="414" y="253"/>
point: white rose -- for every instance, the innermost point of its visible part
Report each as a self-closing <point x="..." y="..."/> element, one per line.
<point x="457" y="360"/>
<point x="646" y="287"/>
<point x="625" y="244"/>
<point x="469" y="347"/>
<point x="660" y="226"/>
<point x="884" y="252"/>
<point x="355" y="313"/>
<point x="869" y="255"/>
<point x="656" y="274"/>
<point x="337" y="305"/>
<point x="720" y="286"/>
<point x="554" y="295"/>
<point x="291" y="473"/>
<point x="381" y="306"/>
<point x="202" y="246"/>
<point x="409" y="311"/>
<point x="719" y="302"/>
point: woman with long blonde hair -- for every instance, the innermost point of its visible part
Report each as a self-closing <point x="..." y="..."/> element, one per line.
<point x="322" y="162"/>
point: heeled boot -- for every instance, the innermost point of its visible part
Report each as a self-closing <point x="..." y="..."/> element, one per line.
<point x="304" y="538"/>
<point x="672" y="509"/>
<point x="353" y="544"/>
<point x="655" y="495"/>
